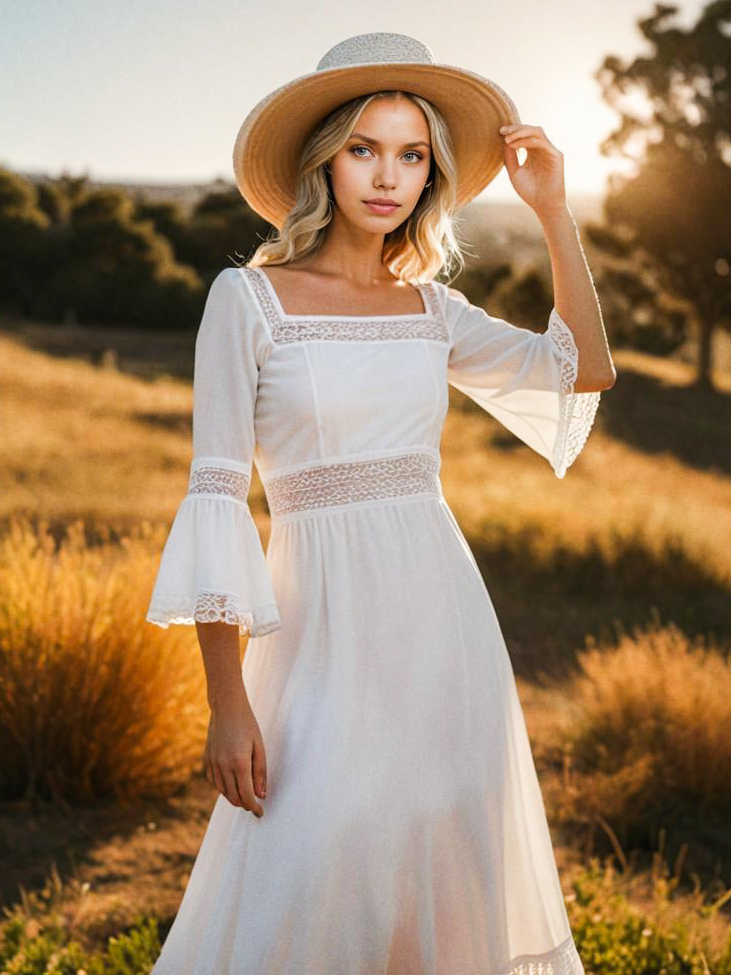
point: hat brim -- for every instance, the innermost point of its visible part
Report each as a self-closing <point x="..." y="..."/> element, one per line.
<point x="269" y="143"/>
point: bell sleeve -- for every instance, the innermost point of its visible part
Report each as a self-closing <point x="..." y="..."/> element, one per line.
<point x="524" y="379"/>
<point x="213" y="567"/>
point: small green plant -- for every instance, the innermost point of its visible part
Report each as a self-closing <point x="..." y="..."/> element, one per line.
<point x="34" y="942"/>
<point x="671" y="934"/>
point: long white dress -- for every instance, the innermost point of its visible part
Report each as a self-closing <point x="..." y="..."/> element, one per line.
<point x="404" y="832"/>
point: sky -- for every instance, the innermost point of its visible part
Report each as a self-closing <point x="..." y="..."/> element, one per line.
<point x="155" y="90"/>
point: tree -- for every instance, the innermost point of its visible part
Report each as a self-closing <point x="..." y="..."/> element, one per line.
<point x="23" y="227"/>
<point x="674" y="212"/>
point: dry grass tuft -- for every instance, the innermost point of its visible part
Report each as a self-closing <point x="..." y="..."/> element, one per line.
<point x="642" y="735"/>
<point x="95" y="702"/>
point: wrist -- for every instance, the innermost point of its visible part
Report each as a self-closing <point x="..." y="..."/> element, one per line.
<point x="231" y="697"/>
<point x="554" y="213"/>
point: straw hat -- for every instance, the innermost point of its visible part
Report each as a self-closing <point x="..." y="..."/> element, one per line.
<point x="269" y="144"/>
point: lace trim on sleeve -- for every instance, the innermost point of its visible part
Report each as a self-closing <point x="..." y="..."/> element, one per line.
<point x="206" y="479"/>
<point x="213" y="607"/>
<point x="577" y="410"/>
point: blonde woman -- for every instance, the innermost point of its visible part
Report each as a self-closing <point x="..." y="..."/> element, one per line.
<point x="379" y="811"/>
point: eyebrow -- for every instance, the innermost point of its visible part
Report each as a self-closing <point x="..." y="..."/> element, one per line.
<point x="375" y="142"/>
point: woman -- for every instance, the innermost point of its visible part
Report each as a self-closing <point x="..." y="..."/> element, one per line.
<point x="374" y="730"/>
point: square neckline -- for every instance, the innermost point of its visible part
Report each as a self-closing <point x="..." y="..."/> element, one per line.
<point x="426" y="313"/>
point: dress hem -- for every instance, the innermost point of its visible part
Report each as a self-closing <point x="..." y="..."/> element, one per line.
<point x="562" y="960"/>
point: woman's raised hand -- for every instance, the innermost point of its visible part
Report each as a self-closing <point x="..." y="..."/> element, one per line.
<point x="540" y="180"/>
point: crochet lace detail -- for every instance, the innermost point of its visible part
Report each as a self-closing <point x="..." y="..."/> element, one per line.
<point x="562" y="960"/>
<point x="219" y="480"/>
<point x="577" y="410"/>
<point x="352" y="481"/>
<point x="429" y="324"/>
<point x="213" y="607"/>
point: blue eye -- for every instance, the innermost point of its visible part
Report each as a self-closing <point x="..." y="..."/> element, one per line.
<point x="409" y="152"/>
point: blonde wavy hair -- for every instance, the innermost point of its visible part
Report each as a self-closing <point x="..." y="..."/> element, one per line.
<point x="422" y="246"/>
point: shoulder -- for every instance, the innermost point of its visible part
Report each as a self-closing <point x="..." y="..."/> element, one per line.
<point x="235" y="289"/>
<point x="454" y="307"/>
<point x="453" y="293"/>
<point x="225" y="285"/>
<point x="228" y="278"/>
<point x="449" y="294"/>
<point x="227" y="296"/>
<point x="232" y="313"/>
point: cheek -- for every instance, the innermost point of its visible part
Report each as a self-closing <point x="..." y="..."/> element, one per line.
<point x="346" y="175"/>
<point x="417" y="182"/>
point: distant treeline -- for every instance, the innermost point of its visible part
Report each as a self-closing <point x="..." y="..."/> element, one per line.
<point x="107" y="256"/>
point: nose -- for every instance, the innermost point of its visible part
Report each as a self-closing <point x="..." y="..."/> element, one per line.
<point x="385" y="177"/>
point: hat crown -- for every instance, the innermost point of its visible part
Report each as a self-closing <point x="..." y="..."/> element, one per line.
<point x="380" y="47"/>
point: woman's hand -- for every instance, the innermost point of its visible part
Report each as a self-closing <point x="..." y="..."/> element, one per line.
<point x="234" y="756"/>
<point x="540" y="180"/>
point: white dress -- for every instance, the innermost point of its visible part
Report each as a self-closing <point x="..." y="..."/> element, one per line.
<point x="404" y="831"/>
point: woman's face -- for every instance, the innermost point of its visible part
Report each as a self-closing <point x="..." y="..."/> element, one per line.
<point x="387" y="157"/>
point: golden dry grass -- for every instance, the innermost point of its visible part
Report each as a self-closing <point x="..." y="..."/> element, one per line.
<point x="611" y="487"/>
<point x="82" y="442"/>
<point x="674" y="714"/>
<point x="623" y="536"/>
<point x="637" y="744"/>
<point x="94" y="703"/>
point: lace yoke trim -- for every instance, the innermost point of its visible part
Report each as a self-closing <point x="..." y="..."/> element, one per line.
<point x="577" y="410"/>
<point x="430" y="324"/>
<point x="352" y="481"/>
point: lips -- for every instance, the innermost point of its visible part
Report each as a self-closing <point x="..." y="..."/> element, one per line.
<point x="381" y="207"/>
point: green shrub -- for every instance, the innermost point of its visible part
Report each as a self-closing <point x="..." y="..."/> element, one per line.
<point x="30" y="948"/>
<point x="675" y="935"/>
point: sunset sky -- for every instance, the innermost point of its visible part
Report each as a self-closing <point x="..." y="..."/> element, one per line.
<point x="156" y="91"/>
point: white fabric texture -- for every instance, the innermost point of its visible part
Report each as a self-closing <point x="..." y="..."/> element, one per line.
<point x="404" y="831"/>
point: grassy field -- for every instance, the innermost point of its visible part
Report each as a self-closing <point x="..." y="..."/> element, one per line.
<point x="613" y="587"/>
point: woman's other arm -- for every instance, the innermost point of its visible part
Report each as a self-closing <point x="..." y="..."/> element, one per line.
<point x="234" y="757"/>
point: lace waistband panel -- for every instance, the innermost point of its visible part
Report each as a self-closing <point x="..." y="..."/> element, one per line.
<point x="350" y="482"/>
